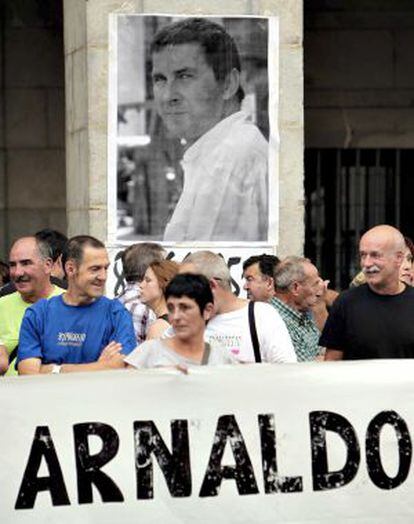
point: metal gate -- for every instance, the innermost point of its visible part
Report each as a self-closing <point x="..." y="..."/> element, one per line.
<point x="347" y="192"/>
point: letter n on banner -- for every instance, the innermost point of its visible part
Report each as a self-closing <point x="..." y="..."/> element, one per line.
<point x="175" y="466"/>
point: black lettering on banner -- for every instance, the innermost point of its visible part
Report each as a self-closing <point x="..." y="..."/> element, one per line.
<point x="374" y="464"/>
<point x="273" y="482"/>
<point x="120" y="281"/>
<point x="320" y="423"/>
<point x="119" y="274"/>
<point x="243" y="473"/>
<point x="88" y="467"/>
<point x="42" y="447"/>
<point x="175" y="466"/>
<point x="233" y="261"/>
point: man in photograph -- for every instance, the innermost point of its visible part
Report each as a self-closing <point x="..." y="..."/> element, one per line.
<point x="196" y="82"/>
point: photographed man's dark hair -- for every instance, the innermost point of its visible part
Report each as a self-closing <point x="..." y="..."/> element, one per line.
<point x="193" y="286"/>
<point x="220" y="49"/>
<point x="267" y="263"/>
<point x="137" y="258"/>
<point x="76" y="246"/>
<point x="55" y="239"/>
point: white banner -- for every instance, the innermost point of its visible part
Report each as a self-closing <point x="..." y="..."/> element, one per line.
<point x="318" y="442"/>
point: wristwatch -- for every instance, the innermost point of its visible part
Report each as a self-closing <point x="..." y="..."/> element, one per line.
<point x="56" y="369"/>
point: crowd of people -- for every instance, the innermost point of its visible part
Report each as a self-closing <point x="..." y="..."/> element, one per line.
<point x="55" y="317"/>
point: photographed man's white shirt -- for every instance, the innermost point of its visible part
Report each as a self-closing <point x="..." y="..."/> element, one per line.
<point x="232" y="331"/>
<point x="225" y="185"/>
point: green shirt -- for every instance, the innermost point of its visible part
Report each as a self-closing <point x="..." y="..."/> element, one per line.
<point x="12" y="309"/>
<point x="302" y="330"/>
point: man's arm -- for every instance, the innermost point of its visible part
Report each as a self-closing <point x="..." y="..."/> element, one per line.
<point x="333" y="336"/>
<point x="4" y="360"/>
<point x="29" y="366"/>
<point x="334" y="354"/>
<point x="123" y="331"/>
<point x="29" y="349"/>
<point x="110" y="358"/>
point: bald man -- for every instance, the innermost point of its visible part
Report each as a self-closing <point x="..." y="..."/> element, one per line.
<point x="374" y="320"/>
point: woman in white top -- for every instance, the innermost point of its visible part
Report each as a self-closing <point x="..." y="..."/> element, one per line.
<point x="190" y="305"/>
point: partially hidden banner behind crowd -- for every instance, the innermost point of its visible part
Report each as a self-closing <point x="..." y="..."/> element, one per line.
<point x="317" y="442"/>
<point x="234" y="258"/>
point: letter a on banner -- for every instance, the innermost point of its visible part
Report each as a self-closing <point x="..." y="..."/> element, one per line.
<point x="42" y="447"/>
<point x="175" y="466"/>
<point x="320" y="423"/>
<point x="242" y="472"/>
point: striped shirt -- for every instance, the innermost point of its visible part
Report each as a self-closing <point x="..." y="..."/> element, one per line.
<point x="142" y="315"/>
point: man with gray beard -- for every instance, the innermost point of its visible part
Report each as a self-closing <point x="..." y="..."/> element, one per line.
<point x="374" y="320"/>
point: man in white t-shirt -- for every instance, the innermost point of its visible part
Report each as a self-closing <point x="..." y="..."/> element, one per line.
<point x="230" y="325"/>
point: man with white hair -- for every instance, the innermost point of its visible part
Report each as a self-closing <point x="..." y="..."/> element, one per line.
<point x="233" y="326"/>
<point x="297" y="287"/>
<point x="374" y="320"/>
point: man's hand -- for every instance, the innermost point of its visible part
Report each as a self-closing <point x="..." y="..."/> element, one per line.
<point x="334" y="354"/>
<point x="111" y="356"/>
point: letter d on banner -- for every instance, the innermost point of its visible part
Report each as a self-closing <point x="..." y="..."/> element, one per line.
<point x="320" y="423"/>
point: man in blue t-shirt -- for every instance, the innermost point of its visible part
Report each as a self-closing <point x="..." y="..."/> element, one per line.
<point x="81" y="330"/>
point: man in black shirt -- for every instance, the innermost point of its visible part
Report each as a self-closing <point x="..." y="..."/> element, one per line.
<point x="374" y="320"/>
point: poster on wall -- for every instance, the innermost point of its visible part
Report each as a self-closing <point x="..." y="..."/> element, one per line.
<point x="193" y="130"/>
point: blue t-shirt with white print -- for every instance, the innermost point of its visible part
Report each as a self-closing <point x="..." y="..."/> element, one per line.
<point x="59" y="333"/>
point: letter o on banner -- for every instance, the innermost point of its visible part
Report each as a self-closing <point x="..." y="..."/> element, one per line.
<point x="375" y="469"/>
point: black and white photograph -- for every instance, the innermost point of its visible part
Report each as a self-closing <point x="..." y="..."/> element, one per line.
<point x="190" y="146"/>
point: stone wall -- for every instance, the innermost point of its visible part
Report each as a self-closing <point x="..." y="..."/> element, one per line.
<point x="359" y="74"/>
<point x="32" y="141"/>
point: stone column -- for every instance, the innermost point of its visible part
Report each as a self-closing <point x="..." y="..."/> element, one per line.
<point x="86" y="59"/>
